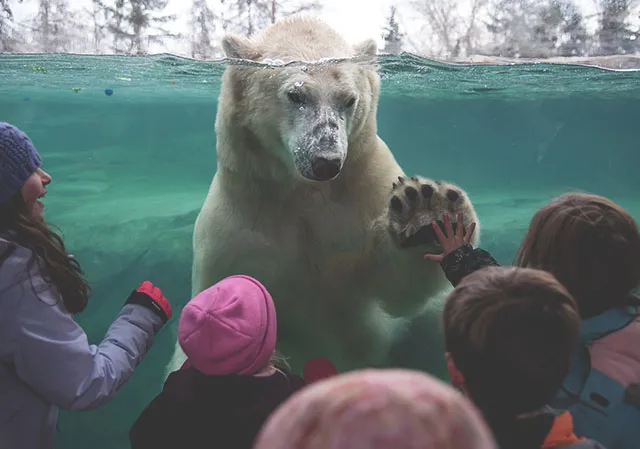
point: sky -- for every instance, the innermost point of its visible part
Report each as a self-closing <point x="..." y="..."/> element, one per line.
<point x="355" y="19"/>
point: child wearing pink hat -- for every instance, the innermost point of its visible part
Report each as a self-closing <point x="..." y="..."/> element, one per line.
<point x="228" y="387"/>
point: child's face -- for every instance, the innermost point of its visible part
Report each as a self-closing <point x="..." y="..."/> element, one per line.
<point x="33" y="190"/>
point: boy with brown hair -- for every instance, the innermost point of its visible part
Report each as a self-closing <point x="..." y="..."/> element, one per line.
<point x="509" y="336"/>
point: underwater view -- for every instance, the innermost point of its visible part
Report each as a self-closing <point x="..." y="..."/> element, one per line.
<point x="130" y="144"/>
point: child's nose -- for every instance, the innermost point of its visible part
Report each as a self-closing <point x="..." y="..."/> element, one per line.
<point x="46" y="178"/>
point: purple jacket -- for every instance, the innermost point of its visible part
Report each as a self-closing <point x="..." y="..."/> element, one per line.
<point x="46" y="361"/>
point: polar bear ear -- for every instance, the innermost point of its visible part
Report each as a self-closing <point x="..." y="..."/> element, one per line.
<point x="239" y="47"/>
<point x="368" y="47"/>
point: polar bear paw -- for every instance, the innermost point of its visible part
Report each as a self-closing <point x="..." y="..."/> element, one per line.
<point x="416" y="202"/>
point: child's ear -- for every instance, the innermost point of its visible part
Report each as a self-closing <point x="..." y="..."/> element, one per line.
<point x="457" y="379"/>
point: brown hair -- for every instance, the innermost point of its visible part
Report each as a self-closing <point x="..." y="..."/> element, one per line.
<point x="48" y="251"/>
<point x="591" y="245"/>
<point x="511" y="331"/>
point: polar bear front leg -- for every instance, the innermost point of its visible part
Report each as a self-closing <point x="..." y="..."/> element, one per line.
<point x="404" y="233"/>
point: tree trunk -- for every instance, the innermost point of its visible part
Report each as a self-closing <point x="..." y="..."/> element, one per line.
<point x="44" y="11"/>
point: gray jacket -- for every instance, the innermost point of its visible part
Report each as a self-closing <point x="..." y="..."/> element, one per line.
<point x="46" y="361"/>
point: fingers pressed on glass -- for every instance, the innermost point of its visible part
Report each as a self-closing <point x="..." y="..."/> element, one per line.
<point x="472" y="228"/>
<point x="438" y="231"/>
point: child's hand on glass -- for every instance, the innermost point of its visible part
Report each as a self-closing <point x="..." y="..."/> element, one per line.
<point x="450" y="242"/>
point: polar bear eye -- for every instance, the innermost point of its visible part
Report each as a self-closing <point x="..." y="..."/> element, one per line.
<point x="350" y="102"/>
<point x="295" y="97"/>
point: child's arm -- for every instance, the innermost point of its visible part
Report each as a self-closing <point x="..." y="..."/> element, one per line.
<point x="465" y="260"/>
<point x="459" y="258"/>
<point x="51" y="353"/>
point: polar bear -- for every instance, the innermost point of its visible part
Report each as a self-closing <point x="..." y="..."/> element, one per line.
<point x="310" y="201"/>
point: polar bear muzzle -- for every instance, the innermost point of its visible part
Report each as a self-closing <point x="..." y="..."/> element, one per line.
<point x="324" y="169"/>
<point x="321" y="157"/>
<point x="320" y="143"/>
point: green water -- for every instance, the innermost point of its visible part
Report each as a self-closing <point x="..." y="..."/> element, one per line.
<point x="131" y="170"/>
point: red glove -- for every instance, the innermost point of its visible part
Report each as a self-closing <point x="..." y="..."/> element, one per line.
<point x="150" y="296"/>
<point x="318" y="369"/>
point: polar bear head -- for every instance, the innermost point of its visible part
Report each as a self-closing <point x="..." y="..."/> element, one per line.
<point x="299" y="115"/>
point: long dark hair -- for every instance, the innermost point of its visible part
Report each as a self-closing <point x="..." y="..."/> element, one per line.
<point x="48" y="251"/>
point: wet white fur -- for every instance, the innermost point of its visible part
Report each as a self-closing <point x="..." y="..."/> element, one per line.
<point x="323" y="249"/>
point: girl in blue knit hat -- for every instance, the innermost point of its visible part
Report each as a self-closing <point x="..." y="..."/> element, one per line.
<point x="46" y="361"/>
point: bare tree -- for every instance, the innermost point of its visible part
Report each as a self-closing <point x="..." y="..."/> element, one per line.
<point x="512" y="24"/>
<point x="135" y="24"/>
<point x="442" y="22"/>
<point x="147" y="25"/>
<point x="55" y="28"/>
<point x="96" y="22"/>
<point x="615" y="34"/>
<point x="203" y="26"/>
<point x="8" y="40"/>
<point x="114" y="16"/>
<point x="392" y="35"/>
<point x="249" y="16"/>
<point x="242" y="16"/>
<point x="471" y="35"/>
<point x="559" y="29"/>
<point x="453" y="30"/>
<point x="536" y="29"/>
<point x="576" y="41"/>
<point x="282" y="8"/>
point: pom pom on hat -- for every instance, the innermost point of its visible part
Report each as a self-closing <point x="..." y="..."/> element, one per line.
<point x="19" y="159"/>
<point x="229" y="328"/>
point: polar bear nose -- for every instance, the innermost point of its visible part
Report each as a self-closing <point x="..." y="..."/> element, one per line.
<point x="325" y="169"/>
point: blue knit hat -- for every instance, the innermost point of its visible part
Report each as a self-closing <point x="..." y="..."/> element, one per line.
<point x="19" y="159"/>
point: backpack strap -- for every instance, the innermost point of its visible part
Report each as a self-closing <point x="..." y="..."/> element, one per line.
<point x="588" y="386"/>
<point x="606" y="323"/>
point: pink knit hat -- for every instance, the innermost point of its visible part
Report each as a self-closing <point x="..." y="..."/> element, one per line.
<point x="229" y="328"/>
<point x="376" y="409"/>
